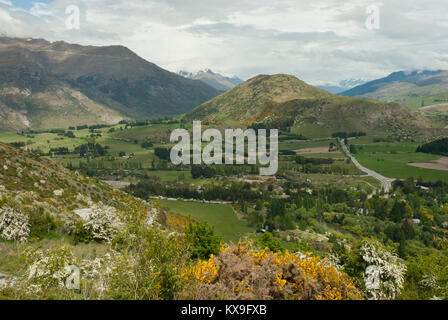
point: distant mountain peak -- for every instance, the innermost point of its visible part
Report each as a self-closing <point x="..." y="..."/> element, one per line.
<point x="342" y="85"/>
<point x="213" y="79"/>
<point x="407" y="87"/>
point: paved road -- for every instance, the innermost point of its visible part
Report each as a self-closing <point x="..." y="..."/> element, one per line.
<point x="386" y="183"/>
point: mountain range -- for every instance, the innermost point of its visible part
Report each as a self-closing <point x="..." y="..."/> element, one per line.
<point x="412" y="89"/>
<point x="215" y="80"/>
<point x="342" y="86"/>
<point x="56" y="84"/>
<point x="47" y="85"/>
<point x="283" y="100"/>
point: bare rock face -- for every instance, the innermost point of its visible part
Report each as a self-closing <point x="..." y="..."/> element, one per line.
<point x="84" y="213"/>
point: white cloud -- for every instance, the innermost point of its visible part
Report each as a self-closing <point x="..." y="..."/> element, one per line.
<point x="318" y="41"/>
<point x="6" y="2"/>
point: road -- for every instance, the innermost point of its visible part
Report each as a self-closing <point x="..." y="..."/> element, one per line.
<point x="386" y="183"/>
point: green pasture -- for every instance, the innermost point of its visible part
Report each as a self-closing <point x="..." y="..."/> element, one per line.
<point x="220" y="216"/>
<point x="391" y="160"/>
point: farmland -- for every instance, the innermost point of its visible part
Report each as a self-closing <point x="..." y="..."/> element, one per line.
<point x="316" y="200"/>
<point x="392" y="159"/>
<point x="220" y="216"/>
<point x="388" y="158"/>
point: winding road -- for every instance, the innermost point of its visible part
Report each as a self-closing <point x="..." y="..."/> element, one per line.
<point x="386" y="183"/>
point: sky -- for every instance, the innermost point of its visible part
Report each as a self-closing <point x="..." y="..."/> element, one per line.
<point x="319" y="41"/>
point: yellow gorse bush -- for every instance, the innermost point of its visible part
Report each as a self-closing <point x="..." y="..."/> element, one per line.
<point x="202" y="271"/>
<point x="241" y="272"/>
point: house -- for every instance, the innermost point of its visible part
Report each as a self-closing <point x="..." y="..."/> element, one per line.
<point x="362" y="211"/>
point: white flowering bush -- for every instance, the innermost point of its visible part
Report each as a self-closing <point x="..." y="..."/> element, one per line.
<point x="385" y="276"/>
<point x="102" y="272"/>
<point x="332" y="259"/>
<point x="103" y="222"/>
<point x="47" y="269"/>
<point x="14" y="225"/>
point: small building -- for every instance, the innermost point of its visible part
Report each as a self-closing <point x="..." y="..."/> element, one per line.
<point x="362" y="211"/>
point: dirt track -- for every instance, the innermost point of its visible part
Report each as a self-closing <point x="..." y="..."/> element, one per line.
<point x="434" y="106"/>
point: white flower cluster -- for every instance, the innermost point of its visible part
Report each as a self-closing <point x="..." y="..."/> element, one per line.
<point x="151" y="216"/>
<point x="332" y="259"/>
<point x="389" y="269"/>
<point x="103" y="222"/>
<point x="48" y="269"/>
<point x="51" y="269"/>
<point x="14" y="225"/>
<point x="99" y="270"/>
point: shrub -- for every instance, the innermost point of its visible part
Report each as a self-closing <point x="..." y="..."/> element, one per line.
<point x="426" y="277"/>
<point x="103" y="222"/>
<point x="243" y="273"/>
<point x="372" y="256"/>
<point x="202" y="239"/>
<point x="151" y="266"/>
<point x="47" y="269"/>
<point x="81" y="234"/>
<point x="268" y="241"/>
<point x="46" y="273"/>
<point x="147" y="144"/>
<point x="14" y="225"/>
<point x="162" y="153"/>
<point x="41" y="223"/>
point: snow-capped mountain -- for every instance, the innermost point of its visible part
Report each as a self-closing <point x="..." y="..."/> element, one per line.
<point x="214" y="80"/>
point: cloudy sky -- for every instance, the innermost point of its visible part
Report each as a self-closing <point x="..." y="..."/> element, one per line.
<point x="319" y="41"/>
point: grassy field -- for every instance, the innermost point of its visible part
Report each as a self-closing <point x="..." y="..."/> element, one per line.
<point x="303" y="144"/>
<point x="391" y="160"/>
<point x="312" y="131"/>
<point x="415" y="103"/>
<point x="220" y="216"/>
<point x="119" y="139"/>
<point x="43" y="141"/>
<point x="141" y="133"/>
<point x="333" y="155"/>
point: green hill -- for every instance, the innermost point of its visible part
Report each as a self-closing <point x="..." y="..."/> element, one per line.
<point x="283" y="100"/>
